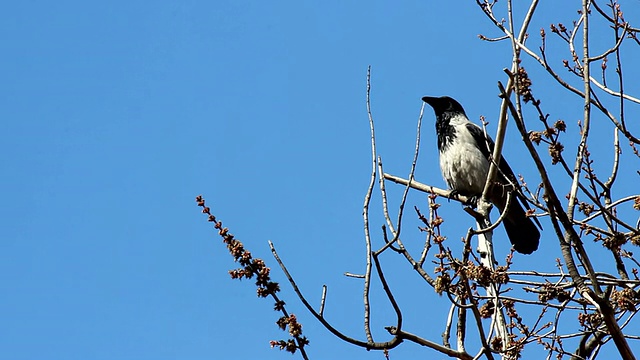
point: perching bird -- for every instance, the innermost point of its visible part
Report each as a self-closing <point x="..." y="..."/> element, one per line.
<point x="464" y="161"/>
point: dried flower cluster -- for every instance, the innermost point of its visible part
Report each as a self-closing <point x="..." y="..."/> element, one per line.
<point x="524" y="84"/>
<point x="265" y="287"/>
<point x="487" y="309"/>
<point x="485" y="276"/>
<point x="625" y="299"/>
<point x="551" y="291"/>
<point x="614" y="242"/>
<point x="590" y="321"/>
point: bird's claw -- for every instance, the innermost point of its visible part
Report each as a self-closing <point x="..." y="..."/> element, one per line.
<point x="472" y="201"/>
<point x="452" y="194"/>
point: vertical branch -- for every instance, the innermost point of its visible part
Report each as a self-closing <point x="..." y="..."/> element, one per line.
<point x="411" y="173"/>
<point x="322" y="300"/>
<point x="619" y="64"/>
<point x="584" y="258"/>
<point x="485" y="241"/>
<point x="586" y="64"/>
<point x="446" y="334"/>
<point x="365" y="213"/>
<point x="383" y="195"/>
<point x="388" y="292"/>
<point x="396" y="231"/>
<point x="461" y="329"/>
<point x="485" y="238"/>
<point x="616" y="140"/>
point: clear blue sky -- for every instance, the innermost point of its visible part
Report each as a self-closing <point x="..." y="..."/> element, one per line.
<point x="115" y="115"/>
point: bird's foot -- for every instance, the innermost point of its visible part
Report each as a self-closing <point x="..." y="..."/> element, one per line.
<point x="453" y="193"/>
<point x="472" y="201"/>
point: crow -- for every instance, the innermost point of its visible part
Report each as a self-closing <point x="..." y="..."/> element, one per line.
<point x="465" y="151"/>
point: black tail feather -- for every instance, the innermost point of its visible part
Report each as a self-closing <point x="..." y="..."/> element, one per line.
<point x="522" y="231"/>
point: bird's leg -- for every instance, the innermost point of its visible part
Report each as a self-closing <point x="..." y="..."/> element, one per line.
<point x="472" y="201"/>
<point x="453" y="194"/>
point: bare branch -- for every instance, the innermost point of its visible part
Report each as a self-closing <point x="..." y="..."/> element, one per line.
<point x="365" y="213"/>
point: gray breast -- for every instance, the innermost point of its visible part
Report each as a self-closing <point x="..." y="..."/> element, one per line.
<point x="463" y="165"/>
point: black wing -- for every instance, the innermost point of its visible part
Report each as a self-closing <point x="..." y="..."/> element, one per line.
<point x="485" y="144"/>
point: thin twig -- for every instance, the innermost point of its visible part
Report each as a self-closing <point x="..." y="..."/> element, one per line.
<point x="322" y="300"/>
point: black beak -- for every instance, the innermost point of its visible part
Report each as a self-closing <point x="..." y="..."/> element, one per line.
<point x="430" y="100"/>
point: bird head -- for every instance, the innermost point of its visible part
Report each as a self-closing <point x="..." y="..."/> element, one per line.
<point x="444" y="104"/>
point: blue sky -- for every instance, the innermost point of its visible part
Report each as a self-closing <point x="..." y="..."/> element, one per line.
<point x="117" y="114"/>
